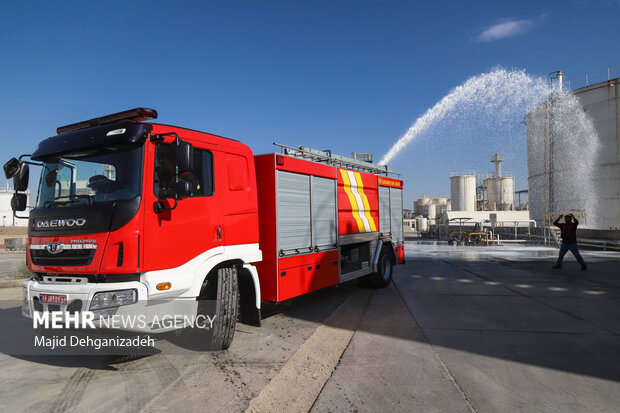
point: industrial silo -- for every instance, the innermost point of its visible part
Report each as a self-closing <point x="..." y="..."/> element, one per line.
<point x="573" y="155"/>
<point x="422" y="224"/>
<point x="463" y="192"/>
<point x="420" y="205"/>
<point x="431" y="211"/>
<point x="500" y="193"/>
<point x="440" y="210"/>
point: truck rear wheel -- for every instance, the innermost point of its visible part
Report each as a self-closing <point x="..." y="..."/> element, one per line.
<point x="383" y="276"/>
<point x="222" y="287"/>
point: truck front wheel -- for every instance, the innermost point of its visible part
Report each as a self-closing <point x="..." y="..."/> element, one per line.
<point x="221" y="290"/>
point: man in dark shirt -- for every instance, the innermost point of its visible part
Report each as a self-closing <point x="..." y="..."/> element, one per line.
<point x="569" y="240"/>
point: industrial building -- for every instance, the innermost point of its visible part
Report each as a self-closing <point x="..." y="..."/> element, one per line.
<point x="427" y="211"/>
<point x="484" y="201"/>
<point x="491" y="192"/>
<point x="574" y="154"/>
<point x="479" y="201"/>
<point x="431" y="207"/>
<point x="488" y="219"/>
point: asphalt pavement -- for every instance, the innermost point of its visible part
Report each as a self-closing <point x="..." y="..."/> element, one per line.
<point x="482" y="329"/>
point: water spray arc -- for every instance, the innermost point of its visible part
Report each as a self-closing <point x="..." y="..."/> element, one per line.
<point x="488" y="91"/>
<point x="562" y="142"/>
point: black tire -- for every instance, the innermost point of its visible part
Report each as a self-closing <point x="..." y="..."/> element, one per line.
<point x="222" y="287"/>
<point x="383" y="276"/>
<point x="227" y="307"/>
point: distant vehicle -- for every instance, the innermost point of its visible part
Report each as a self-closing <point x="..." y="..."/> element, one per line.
<point x="478" y="238"/>
<point x="457" y="237"/>
<point x="130" y="213"/>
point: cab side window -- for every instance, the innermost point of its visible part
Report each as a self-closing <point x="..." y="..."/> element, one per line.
<point x="201" y="176"/>
<point x="203" y="172"/>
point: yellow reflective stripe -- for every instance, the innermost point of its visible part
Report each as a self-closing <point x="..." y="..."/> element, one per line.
<point x="358" y="199"/>
<point x="354" y="207"/>
<point x="360" y="189"/>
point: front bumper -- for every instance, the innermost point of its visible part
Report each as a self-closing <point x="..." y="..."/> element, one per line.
<point x="147" y="315"/>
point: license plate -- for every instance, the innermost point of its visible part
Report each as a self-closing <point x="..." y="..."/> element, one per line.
<point x="54" y="299"/>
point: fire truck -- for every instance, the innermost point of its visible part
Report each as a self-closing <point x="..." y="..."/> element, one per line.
<point x="132" y="215"/>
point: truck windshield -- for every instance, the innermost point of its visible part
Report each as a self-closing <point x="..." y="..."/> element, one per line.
<point x="88" y="177"/>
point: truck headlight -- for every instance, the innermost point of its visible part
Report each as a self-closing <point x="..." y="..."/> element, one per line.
<point x="111" y="299"/>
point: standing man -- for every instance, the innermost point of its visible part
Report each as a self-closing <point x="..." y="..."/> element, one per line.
<point x="569" y="240"/>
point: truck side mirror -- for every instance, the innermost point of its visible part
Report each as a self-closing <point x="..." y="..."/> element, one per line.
<point x="182" y="188"/>
<point x="20" y="180"/>
<point x="182" y="156"/>
<point x="11" y="168"/>
<point x="18" y="202"/>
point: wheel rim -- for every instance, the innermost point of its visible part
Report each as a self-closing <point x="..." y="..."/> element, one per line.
<point x="385" y="267"/>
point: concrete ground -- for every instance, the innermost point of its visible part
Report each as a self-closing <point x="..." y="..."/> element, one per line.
<point x="10" y="263"/>
<point x="460" y="329"/>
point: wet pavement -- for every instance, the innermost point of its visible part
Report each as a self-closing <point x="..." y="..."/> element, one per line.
<point x="460" y="329"/>
<point x="486" y="329"/>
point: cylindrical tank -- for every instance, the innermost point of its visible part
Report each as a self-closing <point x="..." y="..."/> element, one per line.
<point x="421" y="224"/>
<point x="420" y="205"/>
<point x="573" y="157"/>
<point x="500" y="193"/>
<point x="440" y="209"/>
<point x="424" y="223"/>
<point x="463" y="192"/>
<point x="431" y="211"/>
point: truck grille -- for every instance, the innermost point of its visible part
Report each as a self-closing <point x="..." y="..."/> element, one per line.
<point x="64" y="258"/>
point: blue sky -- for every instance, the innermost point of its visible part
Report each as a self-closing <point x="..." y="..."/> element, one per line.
<point x="340" y="75"/>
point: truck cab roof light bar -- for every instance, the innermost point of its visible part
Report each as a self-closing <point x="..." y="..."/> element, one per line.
<point x="328" y="158"/>
<point x="136" y="115"/>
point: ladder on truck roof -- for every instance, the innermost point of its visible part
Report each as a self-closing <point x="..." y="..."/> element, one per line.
<point x="329" y="158"/>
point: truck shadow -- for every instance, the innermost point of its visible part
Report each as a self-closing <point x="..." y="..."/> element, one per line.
<point x="519" y="311"/>
<point x="19" y="337"/>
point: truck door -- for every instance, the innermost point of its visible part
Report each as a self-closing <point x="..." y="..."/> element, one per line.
<point x="194" y="226"/>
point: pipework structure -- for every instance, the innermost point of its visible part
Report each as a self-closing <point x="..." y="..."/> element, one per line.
<point x="499" y="189"/>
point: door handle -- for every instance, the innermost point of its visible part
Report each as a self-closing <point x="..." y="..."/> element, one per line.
<point x="219" y="233"/>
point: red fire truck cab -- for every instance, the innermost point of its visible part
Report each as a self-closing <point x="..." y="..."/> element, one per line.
<point x="133" y="217"/>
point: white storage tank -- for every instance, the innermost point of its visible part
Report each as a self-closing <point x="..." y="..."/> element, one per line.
<point x="573" y="156"/>
<point x="440" y="209"/>
<point x="463" y="192"/>
<point x="431" y="211"/>
<point x="421" y="224"/>
<point x="500" y="193"/>
<point x="420" y="204"/>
